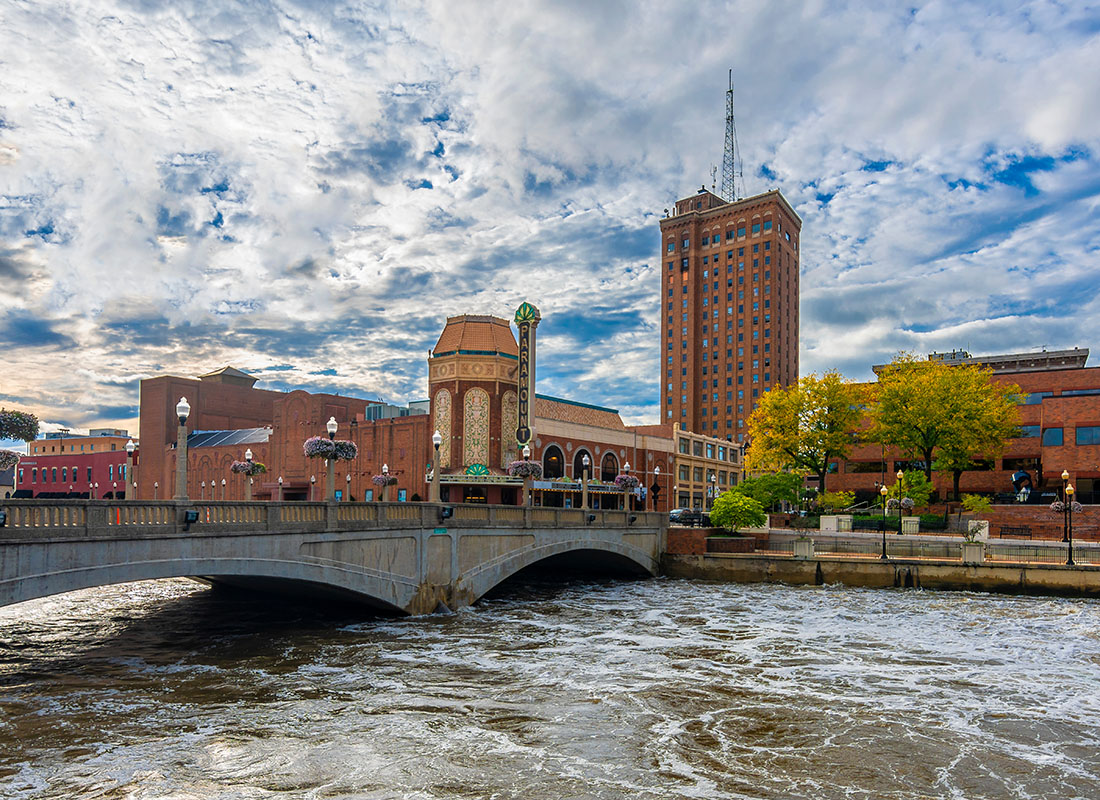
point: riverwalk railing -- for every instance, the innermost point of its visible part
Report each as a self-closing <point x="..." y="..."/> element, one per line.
<point x="21" y="519"/>
<point x="937" y="548"/>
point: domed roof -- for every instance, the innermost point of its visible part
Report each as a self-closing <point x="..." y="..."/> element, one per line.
<point x="482" y="335"/>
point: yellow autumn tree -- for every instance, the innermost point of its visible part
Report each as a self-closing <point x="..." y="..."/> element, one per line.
<point x="948" y="416"/>
<point x="805" y="426"/>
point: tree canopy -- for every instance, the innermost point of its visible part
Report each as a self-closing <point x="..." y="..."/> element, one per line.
<point x="805" y="425"/>
<point x="770" y="490"/>
<point x="948" y="416"/>
<point x="734" y="510"/>
<point x="18" y="425"/>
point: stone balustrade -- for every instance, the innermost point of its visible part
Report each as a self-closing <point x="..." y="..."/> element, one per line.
<point x="106" y="518"/>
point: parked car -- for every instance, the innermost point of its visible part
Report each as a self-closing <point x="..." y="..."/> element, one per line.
<point x="689" y="517"/>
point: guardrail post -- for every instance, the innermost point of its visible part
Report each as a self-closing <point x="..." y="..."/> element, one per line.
<point x="274" y="516"/>
<point x="96" y="517"/>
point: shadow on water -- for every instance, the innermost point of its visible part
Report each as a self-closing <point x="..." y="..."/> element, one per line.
<point x="214" y="624"/>
<point x="552" y="576"/>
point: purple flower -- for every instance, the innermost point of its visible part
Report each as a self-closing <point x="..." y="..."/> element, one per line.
<point x="383" y="480"/>
<point x="334" y="450"/>
<point x="626" y="482"/>
<point x="525" y="469"/>
<point x="247" y="467"/>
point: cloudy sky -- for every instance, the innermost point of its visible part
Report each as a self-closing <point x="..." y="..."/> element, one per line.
<point x="306" y="190"/>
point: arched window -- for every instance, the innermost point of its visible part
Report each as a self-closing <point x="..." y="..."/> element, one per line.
<point x="609" y="467"/>
<point x="553" y="464"/>
<point x="578" y="465"/>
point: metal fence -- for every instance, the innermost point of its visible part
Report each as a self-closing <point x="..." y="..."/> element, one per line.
<point x="946" y="550"/>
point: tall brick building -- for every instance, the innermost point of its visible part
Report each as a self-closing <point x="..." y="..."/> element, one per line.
<point x="729" y="296"/>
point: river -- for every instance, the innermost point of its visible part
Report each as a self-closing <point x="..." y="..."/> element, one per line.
<point x="551" y="690"/>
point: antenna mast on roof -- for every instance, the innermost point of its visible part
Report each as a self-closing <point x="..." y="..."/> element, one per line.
<point x="733" y="180"/>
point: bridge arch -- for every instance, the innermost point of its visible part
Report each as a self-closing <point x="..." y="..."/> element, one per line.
<point x="481" y="580"/>
<point x="311" y="578"/>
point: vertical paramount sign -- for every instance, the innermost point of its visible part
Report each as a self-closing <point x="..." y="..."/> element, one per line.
<point x="527" y="319"/>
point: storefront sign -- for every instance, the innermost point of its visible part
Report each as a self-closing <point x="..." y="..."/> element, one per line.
<point x="527" y="319"/>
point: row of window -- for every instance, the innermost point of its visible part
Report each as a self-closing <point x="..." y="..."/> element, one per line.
<point x="1054" y="437"/>
<point x="686" y="473"/>
<point x="696" y="448"/>
<point x="738" y="232"/>
<point x="49" y="474"/>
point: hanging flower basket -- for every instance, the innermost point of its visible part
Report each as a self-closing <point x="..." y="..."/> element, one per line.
<point x="1058" y="507"/>
<point x="906" y="504"/>
<point x="626" y="483"/>
<point x="383" y="480"/>
<point x="18" y="425"/>
<point x="525" y="469"/>
<point x="247" y="467"/>
<point x="8" y="459"/>
<point x="332" y="449"/>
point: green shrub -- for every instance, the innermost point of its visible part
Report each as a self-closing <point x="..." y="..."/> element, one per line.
<point x="733" y="510"/>
<point x="976" y="504"/>
<point x="836" y="501"/>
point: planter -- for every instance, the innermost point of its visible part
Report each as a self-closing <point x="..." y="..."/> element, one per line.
<point x="979" y="529"/>
<point x="910" y="524"/>
<point x="830" y="523"/>
<point x="803" y="548"/>
<point x="973" y="552"/>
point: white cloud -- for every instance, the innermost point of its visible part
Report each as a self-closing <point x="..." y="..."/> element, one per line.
<point x="271" y="183"/>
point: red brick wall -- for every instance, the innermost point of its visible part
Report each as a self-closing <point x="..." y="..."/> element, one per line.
<point x="687" y="541"/>
<point x="1044" y="523"/>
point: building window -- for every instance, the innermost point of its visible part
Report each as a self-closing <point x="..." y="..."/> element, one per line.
<point x="1052" y="437"/>
<point x="767" y="225"/>
<point x="1088" y="435"/>
<point x="683" y="472"/>
<point x="755" y="228"/>
<point x="1034" y="398"/>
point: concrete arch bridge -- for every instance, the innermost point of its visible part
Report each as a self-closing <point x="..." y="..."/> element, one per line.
<point x="405" y="557"/>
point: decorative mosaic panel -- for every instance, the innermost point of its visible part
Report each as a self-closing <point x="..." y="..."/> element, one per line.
<point x="443" y="425"/>
<point x="475" y="427"/>
<point x="509" y="418"/>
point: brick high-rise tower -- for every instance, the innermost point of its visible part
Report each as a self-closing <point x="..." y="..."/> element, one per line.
<point x="729" y="300"/>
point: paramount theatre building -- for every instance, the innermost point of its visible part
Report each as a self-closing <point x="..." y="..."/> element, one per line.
<point x="485" y="410"/>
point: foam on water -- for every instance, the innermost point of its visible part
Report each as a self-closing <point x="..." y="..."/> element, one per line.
<point x="659" y="688"/>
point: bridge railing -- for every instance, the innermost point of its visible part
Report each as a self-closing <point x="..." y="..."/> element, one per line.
<point x="109" y="519"/>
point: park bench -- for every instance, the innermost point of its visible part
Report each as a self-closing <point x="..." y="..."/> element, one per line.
<point x="1016" y="531"/>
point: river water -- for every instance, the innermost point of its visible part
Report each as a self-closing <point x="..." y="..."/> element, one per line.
<point x="576" y="689"/>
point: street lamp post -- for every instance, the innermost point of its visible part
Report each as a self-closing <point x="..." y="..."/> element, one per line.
<point x="114" y="490"/>
<point x="1065" y="502"/>
<point x="131" y="486"/>
<point x="884" y="491"/>
<point x="330" y="477"/>
<point x="95" y="496"/>
<point x="202" y="490"/>
<point x="900" y="475"/>
<point x="656" y="485"/>
<point x="586" y="462"/>
<point x="223" y="490"/>
<point x="437" y="440"/>
<point x="713" y="488"/>
<point x="347" y="488"/>
<point x="527" y="478"/>
<point x="248" y="475"/>
<point x="1069" y="523"/>
<point x="386" y="486"/>
<point x="183" y="410"/>
<point x="626" y="492"/>
<point x="156" y="488"/>
<point x="280" y="488"/>
<point x="312" y="483"/>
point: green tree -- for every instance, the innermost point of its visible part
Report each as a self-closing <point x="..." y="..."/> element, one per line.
<point x="835" y="501"/>
<point x="734" y="510"/>
<point x="772" y="489"/>
<point x="913" y="485"/>
<point x="18" y="425"/>
<point x="946" y="416"/>
<point x="805" y="426"/>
